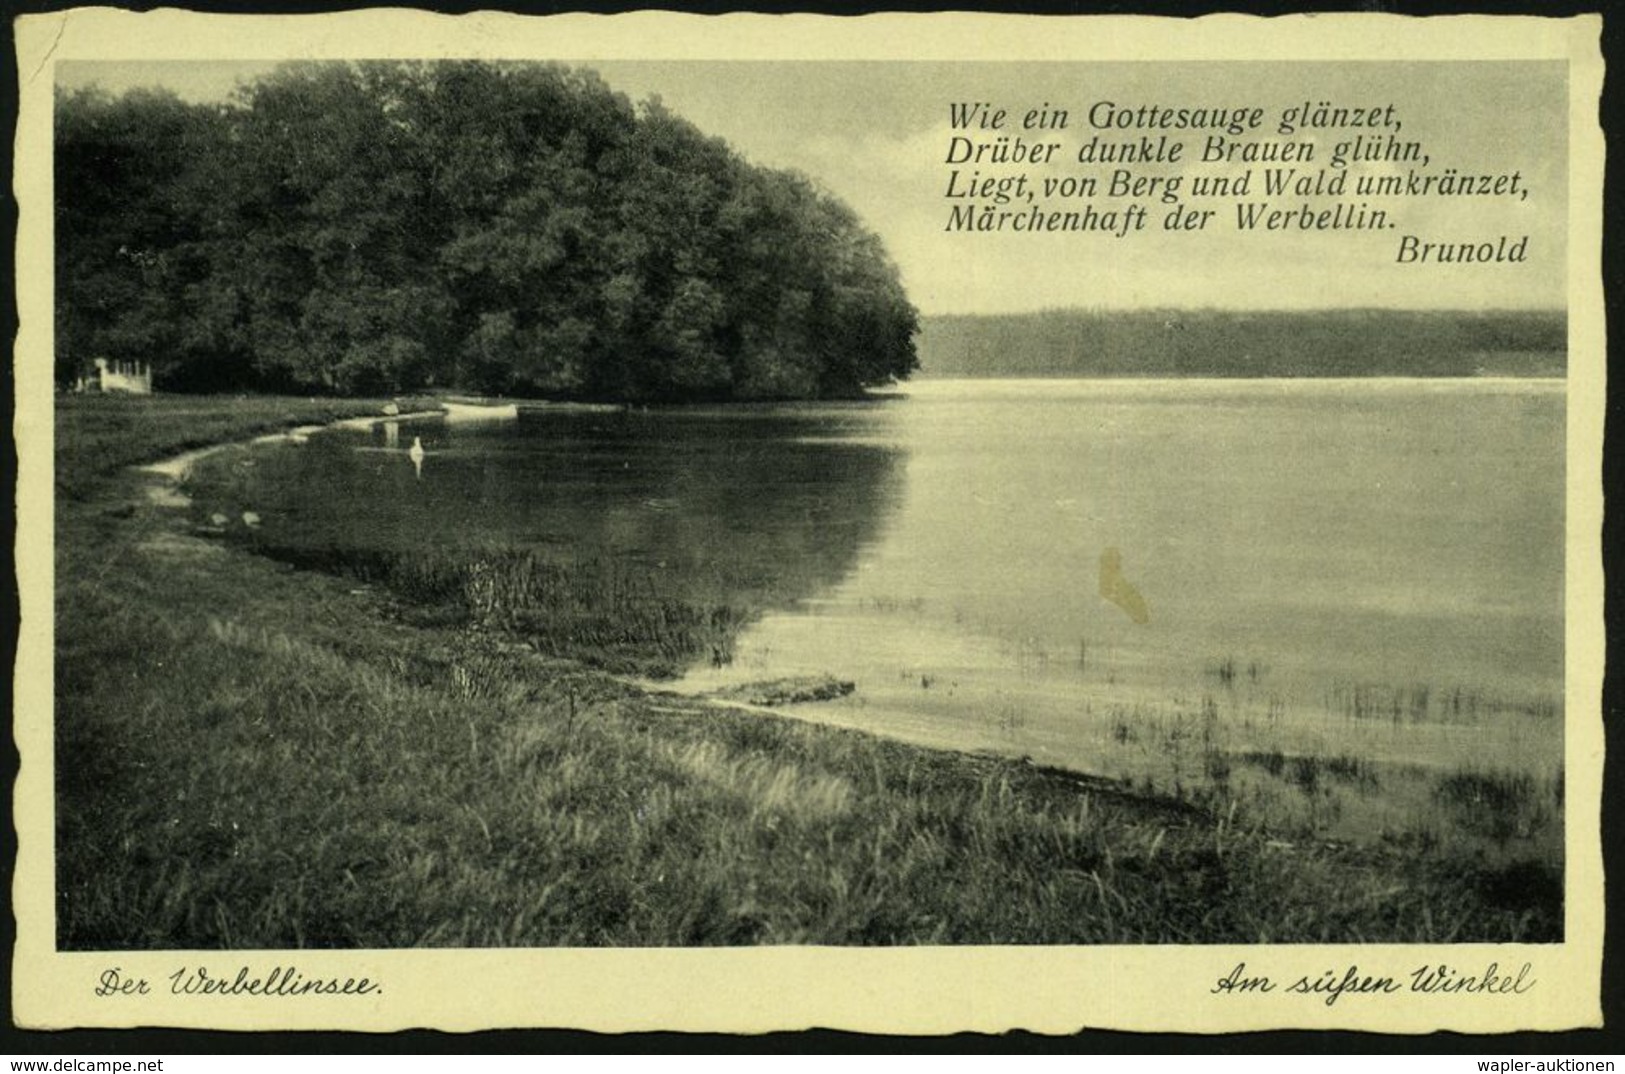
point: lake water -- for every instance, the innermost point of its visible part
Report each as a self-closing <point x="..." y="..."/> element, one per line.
<point x="1370" y="567"/>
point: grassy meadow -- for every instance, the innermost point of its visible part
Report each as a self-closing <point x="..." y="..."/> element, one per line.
<point x="253" y="752"/>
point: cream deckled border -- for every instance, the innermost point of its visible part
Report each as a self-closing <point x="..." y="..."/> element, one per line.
<point x="917" y="990"/>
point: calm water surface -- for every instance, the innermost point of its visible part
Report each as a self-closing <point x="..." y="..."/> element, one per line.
<point x="1321" y="562"/>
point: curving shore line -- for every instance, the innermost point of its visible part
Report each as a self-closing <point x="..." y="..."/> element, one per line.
<point x="178" y="466"/>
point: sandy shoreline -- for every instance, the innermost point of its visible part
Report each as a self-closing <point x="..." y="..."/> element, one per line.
<point x="177" y="467"/>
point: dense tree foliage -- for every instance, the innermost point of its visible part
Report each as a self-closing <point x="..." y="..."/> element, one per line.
<point x="501" y="228"/>
<point x="1237" y="343"/>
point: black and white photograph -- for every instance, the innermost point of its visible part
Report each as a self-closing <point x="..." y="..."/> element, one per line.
<point x="807" y="502"/>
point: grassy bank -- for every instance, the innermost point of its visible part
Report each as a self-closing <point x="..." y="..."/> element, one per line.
<point x="97" y="435"/>
<point x="255" y="755"/>
<point x="592" y="610"/>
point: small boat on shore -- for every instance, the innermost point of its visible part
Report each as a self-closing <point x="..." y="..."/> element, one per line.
<point x="479" y="410"/>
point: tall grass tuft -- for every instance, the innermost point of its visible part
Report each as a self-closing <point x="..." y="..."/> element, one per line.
<point x="603" y="612"/>
<point x="1502" y="805"/>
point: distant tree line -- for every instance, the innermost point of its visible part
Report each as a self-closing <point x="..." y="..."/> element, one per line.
<point x="1220" y="343"/>
<point x="496" y="228"/>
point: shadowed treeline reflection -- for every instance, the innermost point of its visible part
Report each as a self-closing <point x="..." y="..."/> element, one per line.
<point x="636" y="540"/>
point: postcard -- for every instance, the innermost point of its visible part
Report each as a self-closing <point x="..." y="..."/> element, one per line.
<point x="902" y="523"/>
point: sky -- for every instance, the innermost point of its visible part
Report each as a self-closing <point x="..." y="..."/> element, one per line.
<point x="877" y="135"/>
